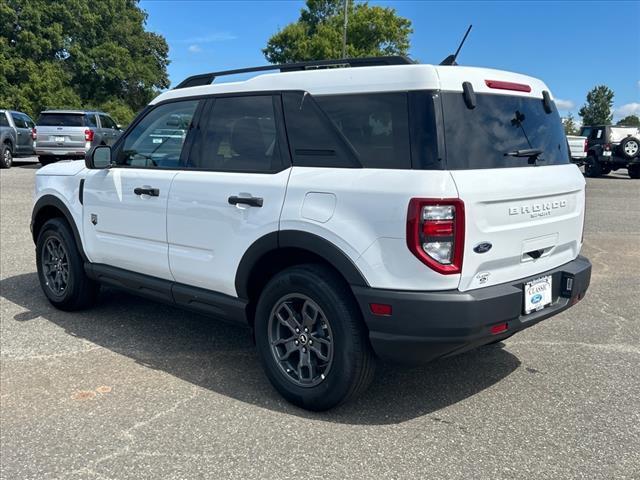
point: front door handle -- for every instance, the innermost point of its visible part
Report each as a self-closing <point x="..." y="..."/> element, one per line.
<point x="152" y="192"/>
<point x="251" y="201"/>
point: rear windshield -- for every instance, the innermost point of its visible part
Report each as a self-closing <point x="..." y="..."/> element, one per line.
<point x="491" y="134"/>
<point x="63" y="120"/>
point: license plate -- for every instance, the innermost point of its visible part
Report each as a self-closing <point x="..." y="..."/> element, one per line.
<point x="606" y="154"/>
<point x="537" y="294"/>
<point x="59" y="139"/>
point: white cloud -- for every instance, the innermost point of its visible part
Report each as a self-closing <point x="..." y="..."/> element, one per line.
<point x="195" y="48"/>
<point x="564" y="104"/>
<point x="212" y="37"/>
<point x="632" y="108"/>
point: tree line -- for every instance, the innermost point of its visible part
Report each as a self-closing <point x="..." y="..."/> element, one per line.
<point x="98" y="54"/>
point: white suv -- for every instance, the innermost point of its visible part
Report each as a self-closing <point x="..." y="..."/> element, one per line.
<point x="382" y="209"/>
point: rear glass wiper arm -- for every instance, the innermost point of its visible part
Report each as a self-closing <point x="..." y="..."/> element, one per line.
<point x="530" y="153"/>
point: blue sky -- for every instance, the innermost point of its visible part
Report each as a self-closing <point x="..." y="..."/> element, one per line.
<point x="571" y="45"/>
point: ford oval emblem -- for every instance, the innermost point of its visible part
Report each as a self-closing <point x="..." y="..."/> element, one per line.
<point x="482" y="247"/>
<point x="536" y="298"/>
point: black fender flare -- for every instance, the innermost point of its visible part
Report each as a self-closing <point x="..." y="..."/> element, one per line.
<point x="300" y="240"/>
<point x="52" y="201"/>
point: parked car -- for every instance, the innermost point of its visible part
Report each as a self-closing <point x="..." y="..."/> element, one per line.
<point x="381" y="210"/>
<point x="69" y="134"/>
<point x="577" y="147"/>
<point x="611" y="147"/>
<point x="16" y="136"/>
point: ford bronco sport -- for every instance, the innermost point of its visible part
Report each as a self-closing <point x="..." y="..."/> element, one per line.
<point x="376" y="209"/>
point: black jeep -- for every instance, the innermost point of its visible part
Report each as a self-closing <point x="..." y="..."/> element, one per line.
<point x="610" y="147"/>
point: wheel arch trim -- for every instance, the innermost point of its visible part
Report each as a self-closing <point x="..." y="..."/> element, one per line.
<point x="47" y="201"/>
<point x="301" y="240"/>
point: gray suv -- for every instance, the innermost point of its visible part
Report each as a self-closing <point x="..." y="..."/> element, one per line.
<point x="65" y="134"/>
<point x="16" y="136"/>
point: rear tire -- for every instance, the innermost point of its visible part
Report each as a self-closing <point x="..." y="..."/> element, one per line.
<point x="46" y="159"/>
<point x="6" y="156"/>
<point x="592" y="167"/>
<point x="606" y="170"/>
<point x="634" y="171"/>
<point x="332" y="361"/>
<point x="61" y="268"/>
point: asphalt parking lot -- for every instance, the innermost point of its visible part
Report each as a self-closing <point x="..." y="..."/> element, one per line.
<point x="137" y="390"/>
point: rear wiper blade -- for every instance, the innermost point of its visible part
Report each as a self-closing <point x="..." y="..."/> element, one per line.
<point x="530" y="153"/>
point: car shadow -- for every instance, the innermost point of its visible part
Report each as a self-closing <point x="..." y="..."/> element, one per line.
<point x="222" y="358"/>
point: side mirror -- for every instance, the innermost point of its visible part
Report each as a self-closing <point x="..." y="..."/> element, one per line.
<point x="98" y="157"/>
<point x="119" y="127"/>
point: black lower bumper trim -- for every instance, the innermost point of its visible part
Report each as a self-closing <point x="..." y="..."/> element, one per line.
<point x="424" y="326"/>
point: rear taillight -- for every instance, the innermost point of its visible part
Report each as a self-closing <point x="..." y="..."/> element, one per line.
<point x="88" y="135"/>
<point x="34" y="134"/>
<point x="435" y="233"/>
<point x="585" y="145"/>
<point x="607" y="147"/>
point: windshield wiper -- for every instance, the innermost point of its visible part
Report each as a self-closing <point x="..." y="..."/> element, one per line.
<point x="531" y="154"/>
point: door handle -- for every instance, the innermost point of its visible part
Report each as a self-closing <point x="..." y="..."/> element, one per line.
<point x="152" y="192"/>
<point x="251" y="201"/>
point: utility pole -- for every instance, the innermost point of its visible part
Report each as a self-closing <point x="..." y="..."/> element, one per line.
<point x="344" y="30"/>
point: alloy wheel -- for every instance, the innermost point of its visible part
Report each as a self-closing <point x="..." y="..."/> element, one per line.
<point x="301" y="340"/>
<point x="55" y="263"/>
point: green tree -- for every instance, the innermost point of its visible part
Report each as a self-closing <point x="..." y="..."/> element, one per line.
<point x="570" y="127"/>
<point x="79" y="53"/>
<point x="630" y="121"/>
<point x="597" y="110"/>
<point x="317" y="35"/>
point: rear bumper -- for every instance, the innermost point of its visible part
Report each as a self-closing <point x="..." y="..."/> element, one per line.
<point x="74" y="152"/>
<point x="424" y="326"/>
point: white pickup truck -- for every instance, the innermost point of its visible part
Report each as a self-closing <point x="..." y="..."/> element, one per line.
<point x="577" y="147"/>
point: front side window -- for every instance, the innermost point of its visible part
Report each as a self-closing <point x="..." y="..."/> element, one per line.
<point x="157" y="140"/>
<point x="107" y="122"/>
<point x="238" y="135"/>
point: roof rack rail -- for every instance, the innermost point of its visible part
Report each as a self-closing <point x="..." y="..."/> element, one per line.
<point x="208" y="78"/>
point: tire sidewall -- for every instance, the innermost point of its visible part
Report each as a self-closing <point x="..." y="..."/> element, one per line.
<point x="337" y="384"/>
<point x="3" y="162"/>
<point x="624" y="143"/>
<point x="58" y="229"/>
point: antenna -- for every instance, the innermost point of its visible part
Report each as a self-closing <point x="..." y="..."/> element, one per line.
<point x="451" y="59"/>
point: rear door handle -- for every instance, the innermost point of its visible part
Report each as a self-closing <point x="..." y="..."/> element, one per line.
<point x="251" y="201"/>
<point x="152" y="192"/>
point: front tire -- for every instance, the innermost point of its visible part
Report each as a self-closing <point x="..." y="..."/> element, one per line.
<point x="61" y="268"/>
<point x="592" y="167"/>
<point x="311" y="338"/>
<point x="6" y="156"/>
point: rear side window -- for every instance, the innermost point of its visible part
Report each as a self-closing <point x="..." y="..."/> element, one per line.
<point x="375" y="124"/>
<point x="498" y="125"/>
<point x="90" y="120"/>
<point x="22" y="121"/>
<point x="3" y="120"/>
<point x="156" y="141"/>
<point x="314" y="139"/>
<point x="238" y="134"/>
<point x="63" y="120"/>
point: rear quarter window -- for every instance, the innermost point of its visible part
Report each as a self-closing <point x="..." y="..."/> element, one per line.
<point x="376" y="125"/>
